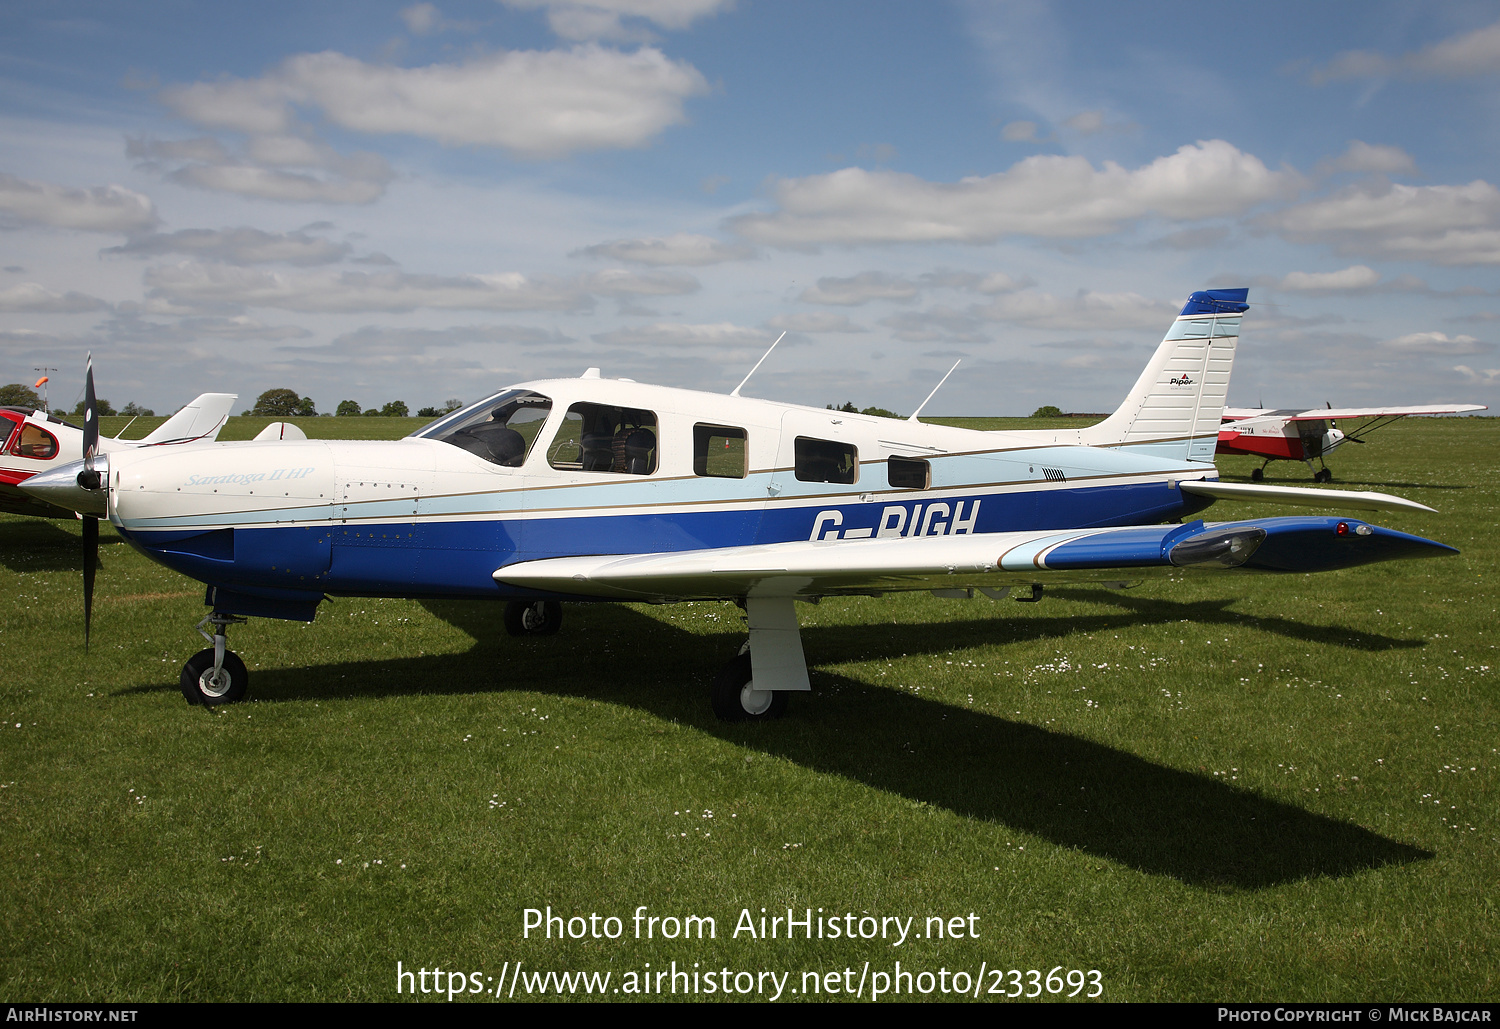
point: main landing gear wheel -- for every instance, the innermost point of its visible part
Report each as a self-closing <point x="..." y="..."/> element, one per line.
<point x="1257" y="474"/>
<point x="202" y="685"/>
<point x="533" y="618"/>
<point x="735" y="698"/>
<point x="1323" y="475"/>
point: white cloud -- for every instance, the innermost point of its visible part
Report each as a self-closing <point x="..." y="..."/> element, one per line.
<point x="1378" y="158"/>
<point x="1451" y="225"/>
<point x="1019" y="132"/>
<point x="130" y="326"/>
<point x="1466" y="54"/>
<point x="1487" y="377"/>
<point x="618" y="282"/>
<point x="242" y="245"/>
<point x="1199" y="237"/>
<point x="815" y="321"/>
<point x="935" y="324"/>
<point x="1043" y="195"/>
<point x="271" y="167"/>
<point x="1356" y="278"/>
<point x="859" y="289"/>
<point x="34" y="298"/>
<point x="100" y="209"/>
<point x="533" y="103"/>
<point x="1084" y="310"/>
<point x="375" y="340"/>
<point x="601" y="19"/>
<point x="1437" y="343"/>
<point x="421" y="18"/>
<point x="681" y="249"/>
<point x="1086" y="122"/>
<point x="191" y="284"/>
<point x="679" y="334"/>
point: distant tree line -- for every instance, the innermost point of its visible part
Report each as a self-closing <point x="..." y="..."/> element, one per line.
<point x="878" y="412"/>
<point x="285" y="403"/>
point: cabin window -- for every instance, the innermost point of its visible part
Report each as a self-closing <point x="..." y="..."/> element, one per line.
<point x="35" y="442"/>
<point x="906" y="473"/>
<point x="501" y="429"/>
<point x="720" y="451"/>
<point x="822" y="460"/>
<point x="605" y="438"/>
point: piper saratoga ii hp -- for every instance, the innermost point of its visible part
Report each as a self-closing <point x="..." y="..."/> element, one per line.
<point x="597" y="489"/>
<point x="36" y="442"/>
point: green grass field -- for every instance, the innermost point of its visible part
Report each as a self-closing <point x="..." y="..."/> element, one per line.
<point x="1272" y="788"/>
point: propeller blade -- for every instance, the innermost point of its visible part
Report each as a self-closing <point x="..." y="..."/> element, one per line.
<point x="90" y="412"/>
<point x="88" y="478"/>
<point x="90" y="565"/>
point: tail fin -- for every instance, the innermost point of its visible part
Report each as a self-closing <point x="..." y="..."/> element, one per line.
<point x="201" y="419"/>
<point x="1177" y="403"/>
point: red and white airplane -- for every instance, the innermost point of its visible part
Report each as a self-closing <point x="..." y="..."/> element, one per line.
<point x="1291" y="435"/>
<point x="35" y="441"/>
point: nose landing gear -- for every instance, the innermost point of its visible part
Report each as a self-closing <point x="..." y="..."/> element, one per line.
<point x="215" y="675"/>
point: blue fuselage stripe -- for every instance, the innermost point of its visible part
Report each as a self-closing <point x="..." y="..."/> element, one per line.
<point x="458" y="558"/>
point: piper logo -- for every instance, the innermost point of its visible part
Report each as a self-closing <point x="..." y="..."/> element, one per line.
<point x="936" y="519"/>
<point x="1181" y="380"/>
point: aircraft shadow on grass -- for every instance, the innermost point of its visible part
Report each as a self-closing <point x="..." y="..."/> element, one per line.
<point x="1072" y="791"/>
<point x="41" y="545"/>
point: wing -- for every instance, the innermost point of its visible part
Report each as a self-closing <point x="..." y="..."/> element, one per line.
<point x="1318" y="415"/>
<point x="1350" y="500"/>
<point x="988" y="561"/>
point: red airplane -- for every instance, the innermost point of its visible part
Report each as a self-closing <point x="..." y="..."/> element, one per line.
<point x="1292" y="435"/>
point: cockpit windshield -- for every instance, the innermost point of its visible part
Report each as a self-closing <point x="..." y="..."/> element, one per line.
<point x="500" y="429"/>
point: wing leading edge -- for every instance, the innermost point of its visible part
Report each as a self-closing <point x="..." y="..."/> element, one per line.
<point x="967" y="562"/>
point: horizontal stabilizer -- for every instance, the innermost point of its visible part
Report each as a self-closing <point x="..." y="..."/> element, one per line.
<point x="1343" y="500"/>
<point x="201" y="419"/>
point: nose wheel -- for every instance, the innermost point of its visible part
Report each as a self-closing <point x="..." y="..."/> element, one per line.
<point x="215" y="675"/>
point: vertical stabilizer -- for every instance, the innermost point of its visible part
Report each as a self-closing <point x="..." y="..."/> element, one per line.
<point x="1176" y="405"/>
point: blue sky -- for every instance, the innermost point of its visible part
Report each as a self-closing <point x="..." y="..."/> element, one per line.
<point x="421" y="201"/>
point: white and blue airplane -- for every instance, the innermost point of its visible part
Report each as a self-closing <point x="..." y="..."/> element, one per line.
<point x="597" y="489"/>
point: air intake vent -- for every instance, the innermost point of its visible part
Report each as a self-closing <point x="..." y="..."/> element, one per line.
<point x="1054" y="475"/>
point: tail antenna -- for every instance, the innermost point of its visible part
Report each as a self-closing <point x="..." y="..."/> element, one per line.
<point x="736" y="391"/>
<point x="934" y="390"/>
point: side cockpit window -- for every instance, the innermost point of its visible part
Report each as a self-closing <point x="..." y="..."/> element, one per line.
<point x="907" y="473"/>
<point x="823" y="460"/>
<point x="605" y="438"/>
<point x="719" y="451"/>
<point x="34" y="442"/>
<point x="501" y="430"/>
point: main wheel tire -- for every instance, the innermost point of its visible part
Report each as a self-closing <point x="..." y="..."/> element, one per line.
<point x="735" y="698"/>
<point x="1322" y="475"/>
<point x="533" y="618"/>
<point x="200" y="686"/>
<point x="1257" y="474"/>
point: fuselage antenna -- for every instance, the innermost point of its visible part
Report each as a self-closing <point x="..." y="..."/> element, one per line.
<point x="736" y="391"/>
<point x="934" y="390"/>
